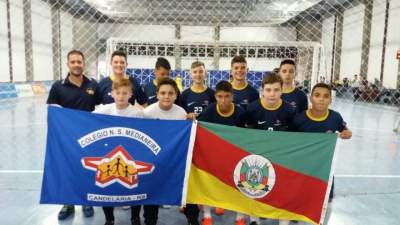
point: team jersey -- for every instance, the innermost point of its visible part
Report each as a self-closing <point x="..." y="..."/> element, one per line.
<point x="274" y="119"/>
<point x="297" y="98"/>
<point x="213" y="115"/>
<point x="331" y="123"/>
<point x="111" y="109"/>
<point x="155" y="112"/>
<point x="196" y="102"/>
<point x="245" y="96"/>
<point x="68" y="95"/>
<point x="105" y="87"/>
<point x="150" y="90"/>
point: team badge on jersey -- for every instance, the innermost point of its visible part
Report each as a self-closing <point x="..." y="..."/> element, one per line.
<point x="90" y="91"/>
<point x="254" y="176"/>
<point x="245" y="102"/>
<point x="117" y="166"/>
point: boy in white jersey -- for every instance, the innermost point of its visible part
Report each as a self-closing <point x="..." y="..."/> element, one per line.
<point x="165" y="109"/>
<point x="121" y="93"/>
<point x="121" y="106"/>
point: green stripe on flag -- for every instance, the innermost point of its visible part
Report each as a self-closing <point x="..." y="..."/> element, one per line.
<point x="301" y="152"/>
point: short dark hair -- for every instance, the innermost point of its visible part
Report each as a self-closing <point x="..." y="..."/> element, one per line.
<point x="238" y="59"/>
<point x="322" y="85"/>
<point x="163" y="62"/>
<point x="287" y="61"/>
<point x="119" y="53"/>
<point x="75" y="52"/>
<point x="224" y="85"/>
<point x="197" y="64"/>
<point x="271" y="79"/>
<point x="167" y="81"/>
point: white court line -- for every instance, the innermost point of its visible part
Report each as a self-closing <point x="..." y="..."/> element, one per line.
<point x="22" y="125"/>
<point x="389" y="130"/>
<point x="367" y="176"/>
<point x="376" y="107"/>
<point x="21" y="171"/>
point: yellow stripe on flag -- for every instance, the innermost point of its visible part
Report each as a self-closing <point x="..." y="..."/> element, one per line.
<point x="205" y="189"/>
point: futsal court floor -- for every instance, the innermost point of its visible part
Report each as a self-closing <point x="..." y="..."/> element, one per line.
<point x="367" y="173"/>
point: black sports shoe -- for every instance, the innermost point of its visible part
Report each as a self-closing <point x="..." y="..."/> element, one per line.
<point x="253" y="223"/>
<point x="135" y="222"/>
<point x="109" y="222"/>
<point x="66" y="211"/>
<point x="194" y="223"/>
<point x="87" y="211"/>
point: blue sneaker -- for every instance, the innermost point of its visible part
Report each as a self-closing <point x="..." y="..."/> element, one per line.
<point x="88" y="211"/>
<point x="66" y="211"/>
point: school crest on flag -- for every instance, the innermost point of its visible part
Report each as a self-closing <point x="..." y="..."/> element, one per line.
<point x="117" y="166"/>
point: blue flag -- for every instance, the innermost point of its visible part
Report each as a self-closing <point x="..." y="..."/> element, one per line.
<point x="103" y="160"/>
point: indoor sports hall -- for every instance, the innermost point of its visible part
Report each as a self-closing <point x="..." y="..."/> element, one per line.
<point x="352" y="45"/>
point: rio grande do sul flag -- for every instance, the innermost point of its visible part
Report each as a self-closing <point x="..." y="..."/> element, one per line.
<point x="103" y="160"/>
<point x="277" y="175"/>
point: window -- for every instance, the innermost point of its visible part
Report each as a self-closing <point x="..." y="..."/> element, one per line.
<point x="233" y="52"/>
<point x="161" y="50"/>
<point x="210" y="52"/>
<point x="170" y="50"/>
<point x="152" y="50"/>
<point x="142" y="50"/>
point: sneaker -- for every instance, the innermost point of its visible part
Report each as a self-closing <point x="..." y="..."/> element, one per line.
<point x="109" y="222"/>
<point x="219" y="211"/>
<point x="253" y="223"/>
<point x="87" y="211"/>
<point x="166" y="206"/>
<point x="66" y="211"/>
<point x="241" y="222"/>
<point x="207" y="221"/>
<point x="135" y="221"/>
<point x="194" y="223"/>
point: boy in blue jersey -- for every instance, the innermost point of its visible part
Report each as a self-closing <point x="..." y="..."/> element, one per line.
<point x="270" y="112"/>
<point x="243" y="93"/>
<point x="119" y="64"/>
<point x="291" y="94"/>
<point x="196" y="98"/>
<point x="225" y="112"/>
<point x="161" y="71"/>
<point x="320" y="119"/>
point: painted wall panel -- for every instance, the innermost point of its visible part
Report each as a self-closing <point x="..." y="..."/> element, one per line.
<point x="376" y="44"/>
<point x="352" y="41"/>
<point x="17" y="40"/>
<point x="393" y="44"/>
<point x="4" y="58"/>
<point x="42" y="41"/>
